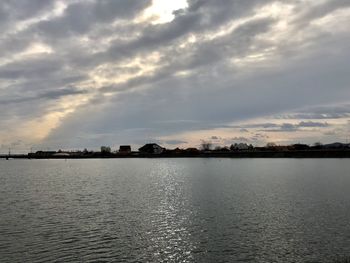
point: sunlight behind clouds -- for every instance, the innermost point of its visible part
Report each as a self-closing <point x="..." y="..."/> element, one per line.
<point x="161" y="11"/>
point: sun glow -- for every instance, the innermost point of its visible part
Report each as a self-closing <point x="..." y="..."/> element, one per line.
<point x="162" y="11"/>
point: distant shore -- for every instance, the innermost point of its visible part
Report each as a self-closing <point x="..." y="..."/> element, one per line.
<point x="212" y="154"/>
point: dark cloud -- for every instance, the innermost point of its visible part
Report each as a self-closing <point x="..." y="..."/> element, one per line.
<point x="284" y="127"/>
<point x="312" y="124"/>
<point x="55" y="94"/>
<point x="22" y="9"/>
<point x="175" y="142"/>
<point x="33" y="68"/>
<point x="80" y="17"/>
<point x="323" y="112"/>
<point x="290" y="127"/>
<point x="47" y="95"/>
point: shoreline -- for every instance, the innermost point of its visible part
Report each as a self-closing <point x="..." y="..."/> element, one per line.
<point x="239" y="155"/>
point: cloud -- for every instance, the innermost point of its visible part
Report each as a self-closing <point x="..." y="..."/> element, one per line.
<point x="292" y="127"/>
<point x="80" y="17"/>
<point x="175" y="142"/>
<point x="47" y="95"/>
<point x="320" y="112"/>
<point x="323" y="9"/>
<point x="312" y="124"/>
<point x="242" y="139"/>
<point x="95" y="72"/>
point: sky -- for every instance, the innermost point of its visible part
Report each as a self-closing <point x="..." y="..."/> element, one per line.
<point x="78" y="74"/>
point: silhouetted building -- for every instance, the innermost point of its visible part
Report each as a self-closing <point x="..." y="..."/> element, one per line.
<point x="125" y="149"/>
<point x="152" y="148"/>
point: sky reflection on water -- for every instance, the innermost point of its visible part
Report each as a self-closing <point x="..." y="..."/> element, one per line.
<point x="167" y="210"/>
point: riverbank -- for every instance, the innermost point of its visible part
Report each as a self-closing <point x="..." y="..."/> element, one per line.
<point x="211" y="154"/>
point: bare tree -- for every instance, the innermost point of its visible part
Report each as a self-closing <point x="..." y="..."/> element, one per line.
<point x="206" y="146"/>
<point x="271" y="145"/>
<point x="105" y="149"/>
<point x="317" y="144"/>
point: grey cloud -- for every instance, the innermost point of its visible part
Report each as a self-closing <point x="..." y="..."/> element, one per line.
<point x="156" y="37"/>
<point x="316" y="116"/>
<point x="12" y="11"/>
<point x="244" y="127"/>
<point x="320" y="112"/>
<point x="80" y="17"/>
<point x="219" y="12"/>
<point x="285" y="127"/>
<point x="35" y="67"/>
<point x="171" y="98"/>
<point x="205" y="53"/>
<point x="55" y="94"/>
<point x="175" y="142"/>
<point x="313" y="124"/>
<point x="23" y="9"/>
<point x="323" y="9"/>
<point x="290" y="127"/>
<point x="47" y="95"/>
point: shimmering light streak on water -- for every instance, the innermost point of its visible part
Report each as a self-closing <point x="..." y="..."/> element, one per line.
<point x="174" y="210"/>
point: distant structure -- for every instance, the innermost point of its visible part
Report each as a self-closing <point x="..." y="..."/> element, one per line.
<point x="125" y="149"/>
<point x="239" y="147"/>
<point x="105" y="149"/>
<point x="151" y="148"/>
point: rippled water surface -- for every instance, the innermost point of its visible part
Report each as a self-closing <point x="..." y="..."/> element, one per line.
<point x="174" y="210"/>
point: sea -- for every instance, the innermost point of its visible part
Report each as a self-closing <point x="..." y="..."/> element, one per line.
<point x="175" y="210"/>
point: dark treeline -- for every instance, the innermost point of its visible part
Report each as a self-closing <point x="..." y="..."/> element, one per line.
<point x="238" y="150"/>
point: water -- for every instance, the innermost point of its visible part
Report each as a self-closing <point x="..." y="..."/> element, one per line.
<point x="174" y="210"/>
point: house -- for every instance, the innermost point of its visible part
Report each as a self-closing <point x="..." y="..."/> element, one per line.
<point x="125" y="149"/>
<point x="152" y="148"/>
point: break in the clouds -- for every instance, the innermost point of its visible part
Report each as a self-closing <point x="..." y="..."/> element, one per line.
<point x="85" y="73"/>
